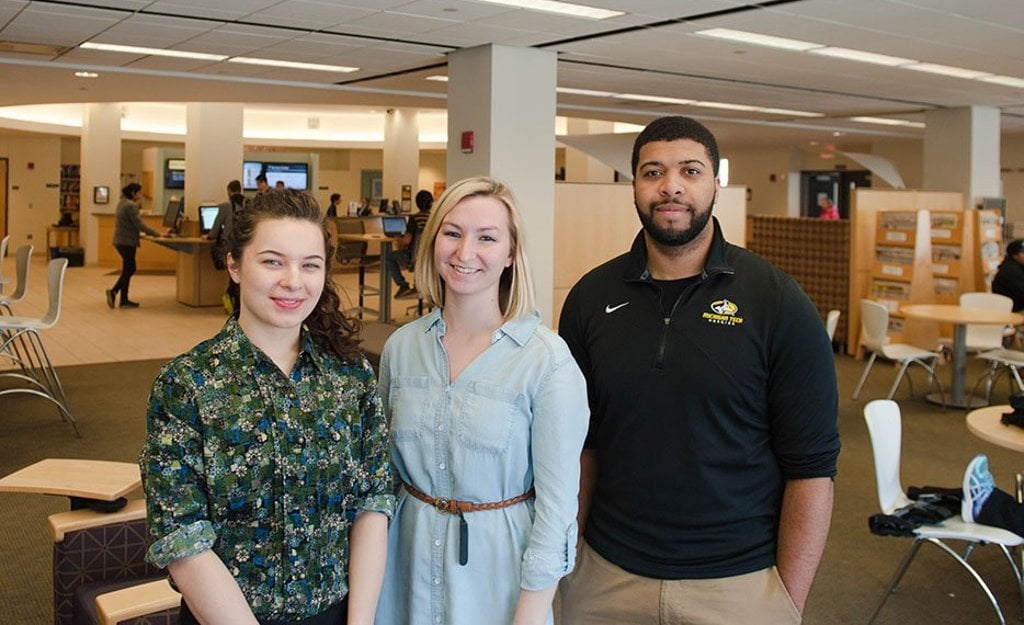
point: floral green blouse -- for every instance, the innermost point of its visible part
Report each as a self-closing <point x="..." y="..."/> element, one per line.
<point x="267" y="470"/>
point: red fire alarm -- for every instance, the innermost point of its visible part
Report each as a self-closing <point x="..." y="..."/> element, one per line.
<point x="467" y="142"/>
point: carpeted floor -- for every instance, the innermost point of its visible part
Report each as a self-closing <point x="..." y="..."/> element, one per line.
<point x="109" y="401"/>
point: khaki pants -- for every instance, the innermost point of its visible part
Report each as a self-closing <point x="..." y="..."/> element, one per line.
<point x="600" y="593"/>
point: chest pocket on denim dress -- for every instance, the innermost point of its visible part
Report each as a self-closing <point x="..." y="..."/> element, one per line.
<point x="486" y="416"/>
<point x="410" y="404"/>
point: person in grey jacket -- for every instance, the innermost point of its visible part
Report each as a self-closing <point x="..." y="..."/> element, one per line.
<point x="127" y="226"/>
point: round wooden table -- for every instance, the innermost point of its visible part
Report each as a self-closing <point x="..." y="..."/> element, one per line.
<point x="959" y="316"/>
<point x="985" y="424"/>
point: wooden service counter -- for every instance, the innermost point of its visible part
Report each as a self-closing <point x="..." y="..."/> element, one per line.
<point x="150" y="257"/>
<point x="199" y="282"/>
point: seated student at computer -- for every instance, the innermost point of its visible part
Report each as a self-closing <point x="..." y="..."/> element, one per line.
<point x="424" y="201"/>
<point x="127" y="226"/>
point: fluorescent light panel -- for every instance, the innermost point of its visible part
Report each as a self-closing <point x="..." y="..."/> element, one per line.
<point x="111" y="47"/>
<point x="861" y="56"/>
<point x="1006" y="81"/>
<point x="562" y="8"/>
<point x="742" y="36"/>
<point x="886" y="121"/>
<point x="590" y="92"/>
<point x="438" y="78"/>
<point x="652" y="98"/>
<point x="946" y="70"/>
<point x="319" y="67"/>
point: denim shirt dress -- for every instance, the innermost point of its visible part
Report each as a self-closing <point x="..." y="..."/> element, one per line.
<point x="515" y="418"/>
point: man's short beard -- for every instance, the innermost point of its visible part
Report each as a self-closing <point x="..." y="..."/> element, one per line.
<point x="674" y="238"/>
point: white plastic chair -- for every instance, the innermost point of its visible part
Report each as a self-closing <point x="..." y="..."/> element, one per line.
<point x="982" y="337"/>
<point x="884" y="426"/>
<point x="874" y="319"/>
<point x="3" y="255"/>
<point x="21" y="264"/>
<point x="831" y="323"/>
<point x="21" y="343"/>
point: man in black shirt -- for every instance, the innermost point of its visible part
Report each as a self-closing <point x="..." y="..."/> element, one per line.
<point x="1009" y="280"/>
<point x="706" y="484"/>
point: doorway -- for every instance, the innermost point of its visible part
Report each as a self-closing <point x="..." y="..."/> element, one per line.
<point x="837" y="185"/>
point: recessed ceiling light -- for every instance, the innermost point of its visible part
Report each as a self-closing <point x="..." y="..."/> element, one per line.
<point x="86" y="75"/>
<point x="861" y="56"/>
<point x="1006" y="81"/>
<point x="727" y="106"/>
<point x="563" y="8"/>
<point x="946" y="70"/>
<point x="110" y="47"/>
<point x="886" y="121"/>
<point x="319" y="67"/>
<point x="652" y="98"/>
<point x="592" y="92"/>
<point x="774" y="111"/>
<point x="758" y="39"/>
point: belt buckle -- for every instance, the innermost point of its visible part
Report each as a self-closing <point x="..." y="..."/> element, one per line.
<point x="443" y="505"/>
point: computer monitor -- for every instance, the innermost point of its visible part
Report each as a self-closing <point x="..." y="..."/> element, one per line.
<point x="393" y="226"/>
<point x="207" y="216"/>
<point x="173" y="214"/>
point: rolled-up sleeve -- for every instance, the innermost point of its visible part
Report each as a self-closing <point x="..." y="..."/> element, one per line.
<point x="560" y="418"/>
<point x="172" y="473"/>
<point x="374" y="488"/>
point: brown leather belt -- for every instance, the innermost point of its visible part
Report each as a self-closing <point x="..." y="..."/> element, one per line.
<point x="453" y="506"/>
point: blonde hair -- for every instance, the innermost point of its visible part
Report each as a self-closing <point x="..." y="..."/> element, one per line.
<point x="515" y="289"/>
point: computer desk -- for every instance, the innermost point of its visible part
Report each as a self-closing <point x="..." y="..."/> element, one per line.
<point x="385" y="280"/>
<point x="199" y="283"/>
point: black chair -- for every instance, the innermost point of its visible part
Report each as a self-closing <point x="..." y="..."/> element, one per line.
<point x="352" y="254"/>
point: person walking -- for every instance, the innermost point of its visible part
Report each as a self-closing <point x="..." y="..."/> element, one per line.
<point x="128" y="225"/>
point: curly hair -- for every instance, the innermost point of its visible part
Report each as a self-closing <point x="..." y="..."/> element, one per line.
<point x="330" y="328"/>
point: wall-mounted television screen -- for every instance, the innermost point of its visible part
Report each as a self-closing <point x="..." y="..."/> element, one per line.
<point x="251" y="169"/>
<point x="174" y="173"/>
<point x="294" y="175"/>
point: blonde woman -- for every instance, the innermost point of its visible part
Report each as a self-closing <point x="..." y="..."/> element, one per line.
<point x="488" y="412"/>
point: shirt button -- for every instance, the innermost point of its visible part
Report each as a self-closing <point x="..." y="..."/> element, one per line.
<point x="440" y="427"/>
<point x="437" y="543"/>
<point x="441" y="466"/>
<point x="437" y="619"/>
<point x="437" y="581"/>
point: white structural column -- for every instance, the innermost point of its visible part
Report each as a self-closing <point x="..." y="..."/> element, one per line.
<point x="580" y="166"/>
<point x="213" y="152"/>
<point x="101" y="167"/>
<point x="961" y="152"/>
<point x="401" y="153"/>
<point x="505" y="97"/>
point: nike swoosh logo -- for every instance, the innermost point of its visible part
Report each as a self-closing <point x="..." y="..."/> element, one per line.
<point x="610" y="309"/>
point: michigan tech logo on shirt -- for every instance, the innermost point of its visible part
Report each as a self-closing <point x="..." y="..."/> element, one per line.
<point x="723" y="312"/>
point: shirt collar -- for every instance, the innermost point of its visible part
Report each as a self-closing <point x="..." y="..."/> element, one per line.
<point x="519" y="329"/>
<point x="242" y="348"/>
<point x="636" y="268"/>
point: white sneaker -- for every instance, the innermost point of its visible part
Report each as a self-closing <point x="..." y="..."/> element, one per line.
<point x="978" y="485"/>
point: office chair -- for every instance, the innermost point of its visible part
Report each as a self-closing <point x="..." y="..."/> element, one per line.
<point x="874" y="328"/>
<point x="21" y="264"/>
<point x="885" y="429"/>
<point x="22" y="344"/>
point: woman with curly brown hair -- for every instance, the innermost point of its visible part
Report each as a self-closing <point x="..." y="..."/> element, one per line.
<point x="266" y="465"/>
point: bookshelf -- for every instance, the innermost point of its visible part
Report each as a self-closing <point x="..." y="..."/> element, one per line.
<point x="989" y="236"/>
<point x="70" y="188"/>
<point x="902" y="271"/>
